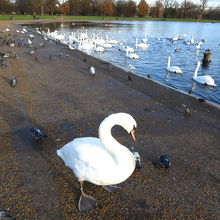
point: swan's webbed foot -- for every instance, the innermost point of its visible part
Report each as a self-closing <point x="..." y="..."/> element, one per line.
<point x="111" y="188"/>
<point x="86" y="202"/>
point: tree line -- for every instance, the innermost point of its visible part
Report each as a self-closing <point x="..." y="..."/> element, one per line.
<point x="119" y="8"/>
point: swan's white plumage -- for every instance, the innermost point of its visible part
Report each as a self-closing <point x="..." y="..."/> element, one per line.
<point x="103" y="160"/>
<point x="173" y="69"/>
<point x="205" y="80"/>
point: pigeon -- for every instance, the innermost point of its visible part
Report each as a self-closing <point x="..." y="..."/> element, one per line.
<point x="13" y="82"/>
<point x="4" y="216"/>
<point x="187" y="111"/>
<point x="136" y="157"/>
<point x="164" y="161"/>
<point x="37" y="133"/>
<point x="92" y="71"/>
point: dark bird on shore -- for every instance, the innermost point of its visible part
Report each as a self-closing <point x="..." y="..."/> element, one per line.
<point x="187" y="111"/>
<point x="136" y="157"/>
<point x="190" y="92"/>
<point x="149" y="76"/>
<point x="37" y="133"/>
<point x="129" y="78"/>
<point x="13" y="82"/>
<point x="201" y="100"/>
<point x="164" y="161"/>
<point x="92" y="71"/>
<point x="4" y="216"/>
<point x="16" y="56"/>
<point x="3" y="63"/>
<point x="84" y="60"/>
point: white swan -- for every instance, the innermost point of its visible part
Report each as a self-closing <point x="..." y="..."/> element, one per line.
<point x="132" y="55"/>
<point x="102" y="161"/>
<point x="141" y="45"/>
<point x="173" y="69"/>
<point x="205" y="80"/>
<point x="85" y="46"/>
<point x="144" y="40"/>
<point x="99" y="49"/>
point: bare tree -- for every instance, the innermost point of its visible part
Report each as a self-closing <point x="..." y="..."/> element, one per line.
<point x="203" y="5"/>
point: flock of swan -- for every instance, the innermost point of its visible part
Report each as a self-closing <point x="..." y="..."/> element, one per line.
<point x="96" y="43"/>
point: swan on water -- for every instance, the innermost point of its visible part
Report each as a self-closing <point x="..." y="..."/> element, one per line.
<point x="198" y="44"/>
<point x="173" y="69"/>
<point x="99" y="48"/>
<point x="132" y="55"/>
<point x="141" y="45"/>
<point x="205" y="80"/>
<point x="144" y="40"/>
<point x="102" y="161"/>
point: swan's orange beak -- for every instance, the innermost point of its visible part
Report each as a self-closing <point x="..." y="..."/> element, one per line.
<point x="133" y="134"/>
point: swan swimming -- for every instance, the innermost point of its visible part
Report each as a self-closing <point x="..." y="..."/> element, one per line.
<point x="205" y="80"/>
<point x="101" y="161"/>
<point x="173" y="69"/>
<point x="141" y="45"/>
<point x="132" y="55"/>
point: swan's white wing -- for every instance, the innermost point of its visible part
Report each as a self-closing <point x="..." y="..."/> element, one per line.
<point x="89" y="160"/>
<point x="174" y="69"/>
<point x="206" y="80"/>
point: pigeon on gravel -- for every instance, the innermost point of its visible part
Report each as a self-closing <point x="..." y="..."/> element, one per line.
<point x="13" y="82"/>
<point x="136" y="157"/>
<point x="37" y="133"/>
<point x="164" y="161"/>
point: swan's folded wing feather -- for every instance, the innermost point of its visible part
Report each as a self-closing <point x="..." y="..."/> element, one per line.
<point x="88" y="157"/>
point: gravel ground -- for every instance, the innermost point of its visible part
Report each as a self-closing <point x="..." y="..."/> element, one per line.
<point x="59" y="96"/>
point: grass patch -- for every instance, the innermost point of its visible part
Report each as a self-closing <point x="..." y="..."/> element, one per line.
<point x="30" y="17"/>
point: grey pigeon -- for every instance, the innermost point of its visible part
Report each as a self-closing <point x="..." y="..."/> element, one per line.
<point x="13" y="82"/>
<point x="164" y="161"/>
<point x="136" y="157"/>
<point x="37" y="133"/>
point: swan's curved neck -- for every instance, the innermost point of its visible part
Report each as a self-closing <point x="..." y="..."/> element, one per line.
<point x="168" y="63"/>
<point x="136" y="42"/>
<point x="196" y="71"/>
<point x="116" y="149"/>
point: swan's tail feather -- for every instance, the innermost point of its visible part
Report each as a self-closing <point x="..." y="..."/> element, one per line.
<point x="59" y="153"/>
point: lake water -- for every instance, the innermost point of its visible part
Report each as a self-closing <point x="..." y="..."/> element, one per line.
<point x="153" y="60"/>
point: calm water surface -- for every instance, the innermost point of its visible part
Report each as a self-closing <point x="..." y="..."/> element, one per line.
<point x="153" y="60"/>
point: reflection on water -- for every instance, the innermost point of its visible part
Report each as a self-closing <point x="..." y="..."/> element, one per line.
<point x="153" y="60"/>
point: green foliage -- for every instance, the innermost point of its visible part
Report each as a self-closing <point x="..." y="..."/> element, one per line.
<point x="30" y="17"/>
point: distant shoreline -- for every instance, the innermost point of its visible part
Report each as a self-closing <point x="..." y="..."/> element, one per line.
<point x="107" y="18"/>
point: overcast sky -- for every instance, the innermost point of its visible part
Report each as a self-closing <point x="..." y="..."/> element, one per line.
<point x="211" y="3"/>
